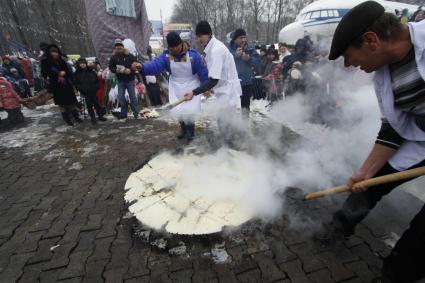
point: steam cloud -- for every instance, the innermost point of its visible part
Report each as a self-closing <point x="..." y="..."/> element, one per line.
<point x="338" y="122"/>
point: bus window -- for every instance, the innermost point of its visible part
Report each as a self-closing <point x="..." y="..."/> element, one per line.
<point x="324" y="14"/>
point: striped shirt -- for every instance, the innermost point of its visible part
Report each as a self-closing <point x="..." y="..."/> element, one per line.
<point x="409" y="88"/>
<point x="409" y="96"/>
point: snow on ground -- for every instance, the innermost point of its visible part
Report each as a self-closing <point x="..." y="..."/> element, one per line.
<point x="44" y="131"/>
<point x="76" y="166"/>
<point x="35" y="137"/>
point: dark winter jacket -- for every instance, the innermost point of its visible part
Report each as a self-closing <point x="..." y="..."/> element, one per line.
<point x="62" y="89"/>
<point x="288" y="61"/>
<point x="126" y="60"/>
<point x="246" y="68"/>
<point x="15" y="65"/>
<point x="86" y="81"/>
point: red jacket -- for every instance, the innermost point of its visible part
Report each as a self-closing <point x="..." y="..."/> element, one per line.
<point x="9" y="99"/>
<point x="27" y="68"/>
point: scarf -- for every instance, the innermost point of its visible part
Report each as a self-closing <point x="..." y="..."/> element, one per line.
<point x="182" y="56"/>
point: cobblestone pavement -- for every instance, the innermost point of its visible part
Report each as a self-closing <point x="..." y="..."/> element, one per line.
<point x="63" y="218"/>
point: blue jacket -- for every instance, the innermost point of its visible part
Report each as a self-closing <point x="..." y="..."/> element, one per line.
<point x="245" y="68"/>
<point x="162" y="62"/>
<point x="288" y="61"/>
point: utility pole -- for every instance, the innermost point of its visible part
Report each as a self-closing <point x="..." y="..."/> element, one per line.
<point x="162" y="28"/>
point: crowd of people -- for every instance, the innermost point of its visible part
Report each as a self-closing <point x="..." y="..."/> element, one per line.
<point x="53" y="77"/>
<point x="124" y="86"/>
<point x="264" y="72"/>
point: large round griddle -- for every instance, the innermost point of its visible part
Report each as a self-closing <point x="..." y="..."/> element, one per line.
<point x="160" y="198"/>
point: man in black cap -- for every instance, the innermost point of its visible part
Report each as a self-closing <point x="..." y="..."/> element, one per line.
<point x="246" y="60"/>
<point x="369" y="38"/>
<point x="187" y="71"/>
<point x="121" y="64"/>
<point x="222" y="78"/>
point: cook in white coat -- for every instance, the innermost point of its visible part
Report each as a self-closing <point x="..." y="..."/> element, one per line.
<point x="187" y="71"/>
<point x="222" y="77"/>
<point x="374" y="40"/>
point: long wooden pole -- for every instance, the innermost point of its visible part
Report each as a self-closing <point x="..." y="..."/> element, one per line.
<point x="390" y="178"/>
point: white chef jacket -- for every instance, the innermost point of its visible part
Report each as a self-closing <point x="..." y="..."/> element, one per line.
<point x="221" y="66"/>
<point x="412" y="151"/>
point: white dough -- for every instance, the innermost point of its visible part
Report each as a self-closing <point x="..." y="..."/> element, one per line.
<point x="163" y="197"/>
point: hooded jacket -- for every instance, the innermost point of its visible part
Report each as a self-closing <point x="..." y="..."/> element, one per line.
<point x="86" y="81"/>
<point x="9" y="99"/>
<point x="13" y="65"/>
<point x="62" y="89"/>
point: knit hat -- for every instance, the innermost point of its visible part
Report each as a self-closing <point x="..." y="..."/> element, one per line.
<point x="43" y="46"/>
<point x="353" y="25"/>
<point x="239" y="32"/>
<point x="203" y="28"/>
<point x="173" y="39"/>
<point x="270" y="51"/>
<point x="81" y="60"/>
<point x="118" y="42"/>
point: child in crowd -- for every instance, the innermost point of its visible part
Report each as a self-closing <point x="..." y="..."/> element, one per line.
<point x="87" y="83"/>
<point x="10" y="102"/>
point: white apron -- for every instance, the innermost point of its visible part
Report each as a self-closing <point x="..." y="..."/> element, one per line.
<point x="181" y="82"/>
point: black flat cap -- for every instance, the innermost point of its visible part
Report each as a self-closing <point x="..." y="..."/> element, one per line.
<point x="353" y="25"/>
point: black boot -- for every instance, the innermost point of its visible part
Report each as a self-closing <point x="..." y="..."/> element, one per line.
<point x="182" y="134"/>
<point x="67" y="119"/>
<point x="92" y="118"/>
<point x="190" y="132"/>
<point x="102" y="118"/>
<point x="76" y="116"/>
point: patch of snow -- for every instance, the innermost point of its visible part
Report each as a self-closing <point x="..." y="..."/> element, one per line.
<point x="54" y="247"/>
<point x="94" y="148"/>
<point x="62" y="129"/>
<point x="54" y="154"/>
<point x="128" y="215"/>
<point x="219" y="254"/>
<point x="76" y="166"/>
<point x="179" y="250"/>
<point x="160" y="243"/>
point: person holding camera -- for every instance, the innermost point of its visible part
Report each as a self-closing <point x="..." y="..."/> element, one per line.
<point x="121" y="65"/>
<point x="246" y="60"/>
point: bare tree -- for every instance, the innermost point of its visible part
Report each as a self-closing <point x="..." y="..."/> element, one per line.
<point x="263" y="19"/>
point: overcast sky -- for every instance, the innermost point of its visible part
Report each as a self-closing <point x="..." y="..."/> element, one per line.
<point x="154" y="6"/>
